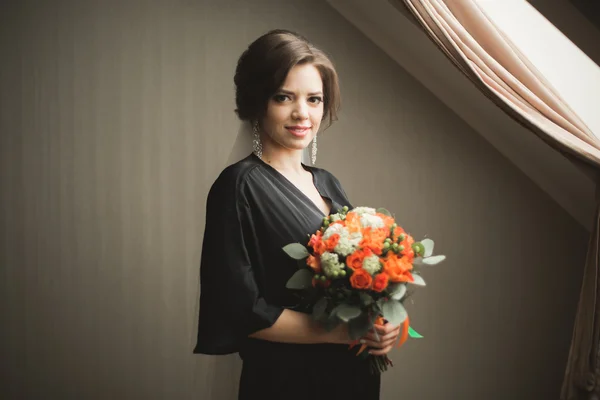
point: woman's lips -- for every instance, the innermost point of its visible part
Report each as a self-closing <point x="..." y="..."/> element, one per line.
<point x="298" y="131"/>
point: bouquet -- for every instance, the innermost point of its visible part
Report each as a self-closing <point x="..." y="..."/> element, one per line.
<point x="356" y="269"/>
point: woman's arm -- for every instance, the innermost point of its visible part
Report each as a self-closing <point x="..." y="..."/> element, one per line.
<point x="296" y="327"/>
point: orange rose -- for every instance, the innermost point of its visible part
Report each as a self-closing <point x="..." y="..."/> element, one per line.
<point x="361" y="279"/>
<point x="314" y="239"/>
<point x="314" y="263"/>
<point x="317" y="243"/>
<point x="397" y="269"/>
<point x="353" y="222"/>
<point x="320" y="248"/>
<point x="408" y="251"/>
<point x="388" y="221"/>
<point x="332" y="242"/>
<point x="380" y="282"/>
<point x="373" y="239"/>
<point x="396" y="234"/>
<point x="355" y="260"/>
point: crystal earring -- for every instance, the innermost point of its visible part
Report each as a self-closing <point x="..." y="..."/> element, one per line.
<point x="256" y="142"/>
<point x="313" y="150"/>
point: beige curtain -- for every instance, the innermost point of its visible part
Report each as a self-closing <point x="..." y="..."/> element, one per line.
<point x="488" y="58"/>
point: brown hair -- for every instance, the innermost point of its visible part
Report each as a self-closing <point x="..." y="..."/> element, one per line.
<point x="264" y="65"/>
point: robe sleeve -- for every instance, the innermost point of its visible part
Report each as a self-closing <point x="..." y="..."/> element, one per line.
<point x="231" y="306"/>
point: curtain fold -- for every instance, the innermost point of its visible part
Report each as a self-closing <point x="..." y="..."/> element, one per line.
<point x="471" y="40"/>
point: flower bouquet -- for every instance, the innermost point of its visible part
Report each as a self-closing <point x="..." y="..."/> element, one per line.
<point x="356" y="269"/>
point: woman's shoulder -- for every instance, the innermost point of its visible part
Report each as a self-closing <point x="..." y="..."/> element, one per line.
<point x="237" y="172"/>
<point x="233" y="179"/>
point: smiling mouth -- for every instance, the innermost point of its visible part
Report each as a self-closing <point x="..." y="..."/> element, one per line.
<point x="297" y="130"/>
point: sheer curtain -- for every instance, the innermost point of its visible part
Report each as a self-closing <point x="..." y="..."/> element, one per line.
<point x="487" y="57"/>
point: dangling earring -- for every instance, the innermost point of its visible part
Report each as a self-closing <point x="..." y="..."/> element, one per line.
<point x="256" y="142"/>
<point x="313" y="150"/>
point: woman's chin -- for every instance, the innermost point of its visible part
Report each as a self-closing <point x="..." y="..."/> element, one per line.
<point x="298" y="145"/>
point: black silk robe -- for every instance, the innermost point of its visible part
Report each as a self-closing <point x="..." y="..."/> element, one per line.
<point x="252" y="212"/>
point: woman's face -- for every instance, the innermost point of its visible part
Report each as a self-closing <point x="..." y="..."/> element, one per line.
<point x="295" y="112"/>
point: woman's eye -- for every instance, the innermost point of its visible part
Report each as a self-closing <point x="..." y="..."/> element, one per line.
<point x="316" y="99"/>
<point x="281" y="98"/>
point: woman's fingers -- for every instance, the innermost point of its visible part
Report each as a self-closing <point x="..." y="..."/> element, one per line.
<point x="378" y="344"/>
<point x="392" y="336"/>
<point x="381" y="352"/>
<point x="384" y="341"/>
<point x="387" y="328"/>
<point x="385" y="332"/>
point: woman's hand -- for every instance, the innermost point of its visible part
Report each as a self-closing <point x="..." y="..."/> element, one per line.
<point x="388" y="334"/>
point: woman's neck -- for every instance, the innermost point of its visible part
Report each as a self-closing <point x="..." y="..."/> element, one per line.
<point x="282" y="159"/>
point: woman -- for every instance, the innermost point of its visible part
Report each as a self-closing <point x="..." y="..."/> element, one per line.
<point x="285" y="87"/>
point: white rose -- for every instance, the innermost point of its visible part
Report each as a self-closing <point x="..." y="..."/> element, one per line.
<point x="344" y="247"/>
<point x="355" y="238"/>
<point x="331" y="265"/>
<point x="333" y="229"/>
<point x="371" y="264"/>
<point x="364" y="210"/>
<point x="372" y="221"/>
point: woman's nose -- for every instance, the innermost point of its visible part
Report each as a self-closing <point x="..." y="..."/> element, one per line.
<point x="300" y="110"/>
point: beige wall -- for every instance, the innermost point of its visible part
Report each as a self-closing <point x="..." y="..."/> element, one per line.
<point x="116" y="118"/>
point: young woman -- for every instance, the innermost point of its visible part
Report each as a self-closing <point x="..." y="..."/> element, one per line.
<point x="286" y="88"/>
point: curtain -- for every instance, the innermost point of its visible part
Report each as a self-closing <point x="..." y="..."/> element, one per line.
<point x="472" y="41"/>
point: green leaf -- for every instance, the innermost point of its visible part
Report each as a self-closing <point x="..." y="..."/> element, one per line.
<point x="394" y="312"/>
<point x="346" y="312"/>
<point x="372" y="325"/>
<point x="359" y="326"/>
<point x="428" y="245"/>
<point x="331" y="322"/>
<point x="418" y="248"/>
<point x="418" y="280"/>
<point x="365" y="299"/>
<point x="433" y="260"/>
<point x="319" y="309"/>
<point x="397" y="290"/>
<point x="413" y="334"/>
<point x="302" y="279"/>
<point x="384" y="212"/>
<point x="296" y="251"/>
<point x="378" y="307"/>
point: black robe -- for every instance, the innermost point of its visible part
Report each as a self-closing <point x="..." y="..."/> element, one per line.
<point x="252" y="212"/>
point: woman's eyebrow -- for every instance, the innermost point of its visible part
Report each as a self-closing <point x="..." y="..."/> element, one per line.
<point x="290" y="92"/>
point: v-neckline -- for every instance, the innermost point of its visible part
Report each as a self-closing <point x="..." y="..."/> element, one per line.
<point x="325" y="196"/>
